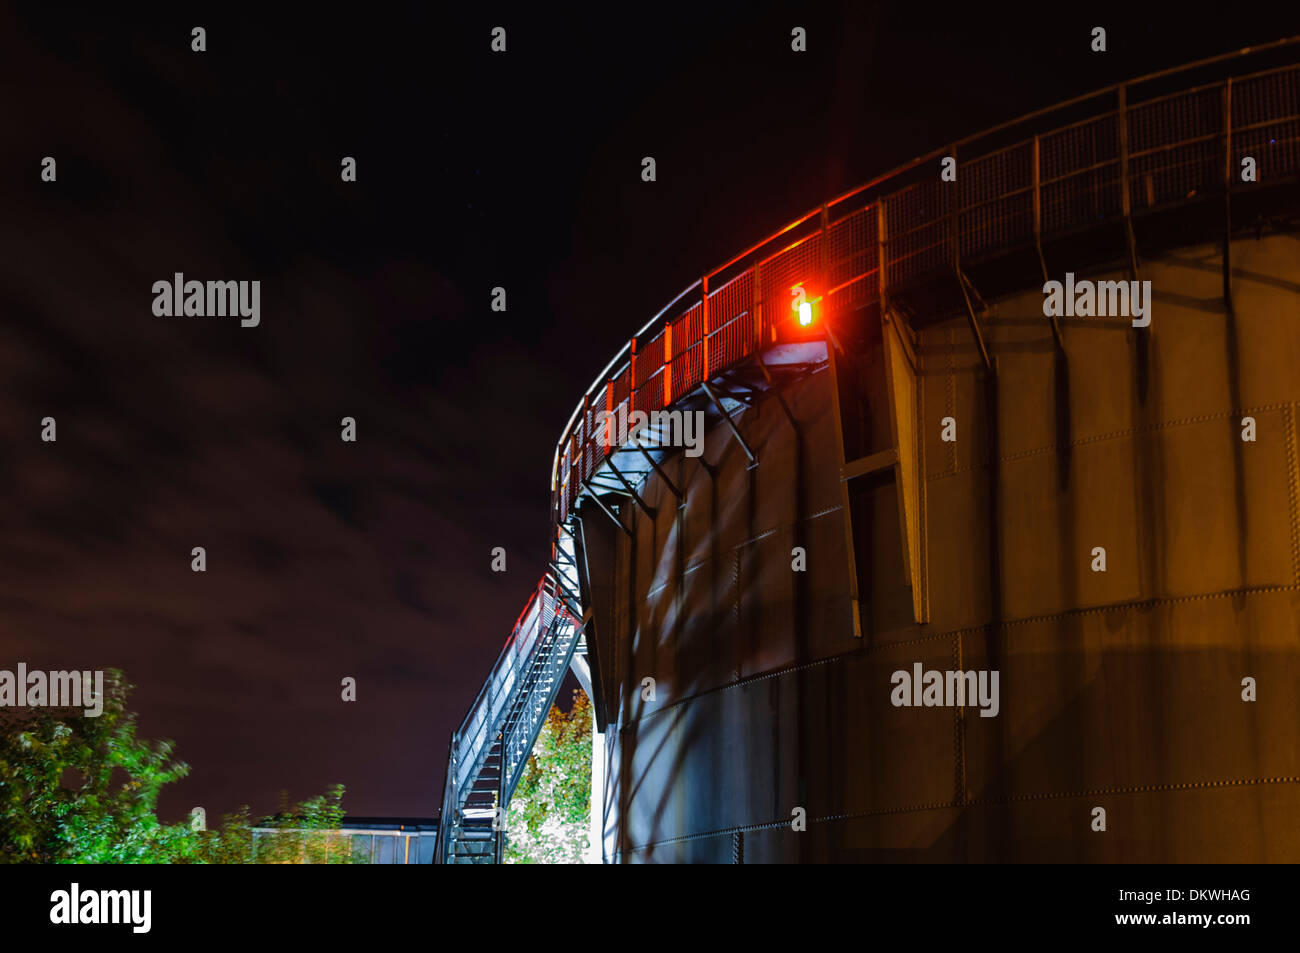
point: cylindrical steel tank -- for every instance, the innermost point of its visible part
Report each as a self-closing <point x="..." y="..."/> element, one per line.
<point x="1099" y="511"/>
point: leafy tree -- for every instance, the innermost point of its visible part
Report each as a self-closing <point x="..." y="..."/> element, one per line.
<point x="306" y="833"/>
<point x="75" y="789"/>
<point x="550" y="812"/>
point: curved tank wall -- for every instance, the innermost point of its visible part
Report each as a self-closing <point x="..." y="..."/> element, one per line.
<point x="1119" y="689"/>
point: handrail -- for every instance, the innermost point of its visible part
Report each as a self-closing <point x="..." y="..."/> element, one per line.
<point x="1082" y="182"/>
<point x="514" y="631"/>
<point x="494" y="716"/>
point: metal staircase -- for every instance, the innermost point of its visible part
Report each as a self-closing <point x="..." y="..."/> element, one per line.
<point x="490" y="749"/>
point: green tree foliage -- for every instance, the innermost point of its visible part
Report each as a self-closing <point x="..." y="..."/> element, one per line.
<point x="75" y="789"/>
<point x="302" y="833"/>
<point x="550" y="812"/>
<point x="305" y="833"/>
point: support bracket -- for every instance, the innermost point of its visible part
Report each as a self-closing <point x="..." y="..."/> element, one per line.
<point x="607" y="511"/>
<point x="758" y="356"/>
<point x="730" y="423"/>
<point x="966" y="289"/>
<point x="647" y="510"/>
<point x="672" y="487"/>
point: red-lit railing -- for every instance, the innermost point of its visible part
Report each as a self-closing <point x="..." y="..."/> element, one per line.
<point x="1129" y="158"/>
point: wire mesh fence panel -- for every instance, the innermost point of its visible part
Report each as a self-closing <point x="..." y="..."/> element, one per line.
<point x="687" y="359"/>
<point x="688" y="370"/>
<point x="650" y="395"/>
<point x="688" y="331"/>
<point x="1268" y="97"/>
<point x="853" y="259"/>
<point x="1266" y="124"/>
<point x="1086" y="198"/>
<point x="575" y="472"/>
<point x="731" y="299"/>
<point x="584" y="440"/>
<point x="647" y="373"/>
<point x="647" y="360"/>
<point x="1175" y="148"/>
<point x="731" y="316"/>
<point x="621" y="411"/>
<point x="1275" y="147"/>
<point x="1175" y="174"/>
<point x="622" y="381"/>
<point x="918" y="231"/>
<point x="1176" y="119"/>
<point x="996" y="199"/>
<point x="1079" y="174"/>
<point x="731" y="342"/>
<point x="1078" y="147"/>
<point x="783" y="273"/>
<point x="858" y="293"/>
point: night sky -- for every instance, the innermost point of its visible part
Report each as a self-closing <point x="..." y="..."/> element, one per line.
<point x="474" y="169"/>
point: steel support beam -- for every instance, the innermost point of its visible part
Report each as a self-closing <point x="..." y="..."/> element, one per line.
<point x="647" y="510"/>
<point x="730" y="423"/>
<point x="672" y="487"/>
<point x="607" y="511"/>
<point x="974" y="324"/>
<point x="758" y="356"/>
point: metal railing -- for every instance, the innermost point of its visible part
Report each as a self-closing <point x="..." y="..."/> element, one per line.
<point x="1125" y="158"/>
<point x="489" y="750"/>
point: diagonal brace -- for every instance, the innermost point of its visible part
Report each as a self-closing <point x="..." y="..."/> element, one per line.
<point x="730" y="423"/>
<point x="607" y="511"/>
<point x="771" y="383"/>
<point x="672" y="487"/>
<point x="974" y="324"/>
<point x="647" y="510"/>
